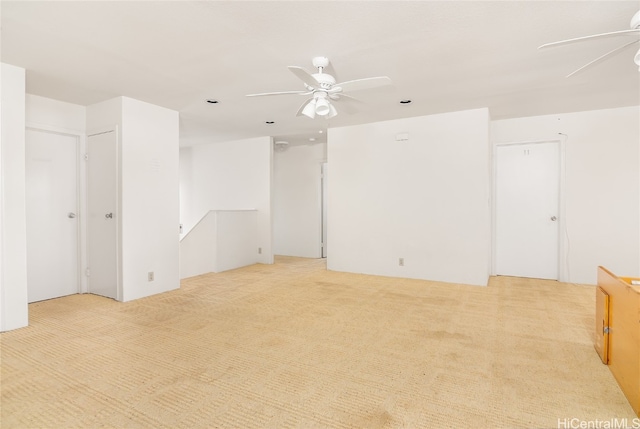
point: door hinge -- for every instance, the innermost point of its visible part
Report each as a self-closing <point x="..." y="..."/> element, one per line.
<point x="86" y="157"/>
<point x="87" y="272"/>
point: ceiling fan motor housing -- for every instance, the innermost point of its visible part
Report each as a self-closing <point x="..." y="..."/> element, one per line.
<point x="320" y="62"/>
<point x="325" y="81"/>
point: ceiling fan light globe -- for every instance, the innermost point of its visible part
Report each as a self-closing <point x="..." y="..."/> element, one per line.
<point x="635" y="21"/>
<point x="322" y="107"/>
<point x="310" y="109"/>
<point x="332" y="111"/>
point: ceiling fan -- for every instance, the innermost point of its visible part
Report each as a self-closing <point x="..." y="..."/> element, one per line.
<point x="634" y="32"/>
<point x="323" y="89"/>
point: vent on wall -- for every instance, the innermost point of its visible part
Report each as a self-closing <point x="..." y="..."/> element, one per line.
<point x="280" y="146"/>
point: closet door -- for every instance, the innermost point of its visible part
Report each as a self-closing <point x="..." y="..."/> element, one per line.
<point x="102" y="224"/>
<point x="527" y="210"/>
<point x="51" y="187"/>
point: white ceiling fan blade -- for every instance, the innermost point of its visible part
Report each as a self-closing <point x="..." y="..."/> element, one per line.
<point x="345" y="97"/>
<point x="279" y="93"/>
<point x="304" y="76"/>
<point x="347" y="103"/>
<point x="634" y="32"/>
<point x="603" y="57"/>
<point x="367" y="83"/>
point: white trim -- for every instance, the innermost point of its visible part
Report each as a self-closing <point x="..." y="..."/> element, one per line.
<point x="324" y="225"/>
<point x="106" y="131"/>
<point x="563" y="268"/>
<point x="54" y="129"/>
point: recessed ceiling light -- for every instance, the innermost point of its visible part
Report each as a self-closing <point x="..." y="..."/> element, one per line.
<point x="212" y="101"/>
<point x="312" y="139"/>
<point x="405" y="101"/>
<point x="269" y="122"/>
<point x="321" y="131"/>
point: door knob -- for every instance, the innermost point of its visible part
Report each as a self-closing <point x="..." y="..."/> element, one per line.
<point x="553" y="218"/>
<point x="109" y="216"/>
<point x="71" y="215"/>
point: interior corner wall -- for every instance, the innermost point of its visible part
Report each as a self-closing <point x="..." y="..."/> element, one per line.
<point x="13" y="233"/>
<point x="235" y="175"/>
<point x="148" y="139"/>
<point x="149" y="199"/>
<point x="103" y="116"/>
<point x="425" y="199"/>
<point x="297" y="210"/>
<point x="601" y="186"/>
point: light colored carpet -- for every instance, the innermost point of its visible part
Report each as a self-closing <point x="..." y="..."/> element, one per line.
<point x="295" y="346"/>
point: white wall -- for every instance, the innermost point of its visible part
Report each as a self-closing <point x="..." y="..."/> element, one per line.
<point x="601" y="185"/>
<point x="198" y="247"/>
<point x="49" y="113"/>
<point x="297" y="216"/>
<point x="425" y="200"/>
<point x="150" y="199"/>
<point x="148" y="192"/>
<point x="13" y="233"/>
<point x="236" y="239"/>
<point x="234" y="175"/>
<point x="103" y="116"/>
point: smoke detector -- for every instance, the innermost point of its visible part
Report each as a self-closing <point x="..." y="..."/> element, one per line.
<point x="280" y="145"/>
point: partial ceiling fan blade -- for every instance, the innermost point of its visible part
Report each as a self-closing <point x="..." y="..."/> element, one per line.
<point x="279" y="93"/>
<point x="345" y="97"/>
<point x="347" y="103"/>
<point x="603" y="57"/>
<point x="304" y="76"/>
<point x="634" y="32"/>
<point x="367" y="83"/>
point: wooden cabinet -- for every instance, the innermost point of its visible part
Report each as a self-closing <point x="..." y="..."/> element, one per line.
<point x="619" y="346"/>
<point x="602" y="324"/>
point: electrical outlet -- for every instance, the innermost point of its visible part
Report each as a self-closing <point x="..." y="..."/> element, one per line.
<point x="150" y="276"/>
<point x="401" y="262"/>
<point x="259" y="250"/>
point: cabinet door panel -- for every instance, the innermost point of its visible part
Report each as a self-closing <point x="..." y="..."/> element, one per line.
<point x="602" y="325"/>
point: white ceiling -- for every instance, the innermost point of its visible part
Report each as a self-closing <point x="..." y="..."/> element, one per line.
<point x="443" y="55"/>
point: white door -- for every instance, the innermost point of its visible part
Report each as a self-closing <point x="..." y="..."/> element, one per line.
<point x="324" y="194"/>
<point x="51" y="185"/>
<point x="102" y="255"/>
<point x="527" y="203"/>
